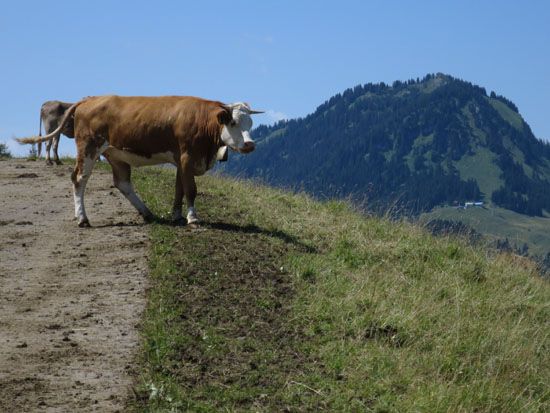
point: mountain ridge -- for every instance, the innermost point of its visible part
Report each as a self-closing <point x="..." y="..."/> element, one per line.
<point x="417" y="144"/>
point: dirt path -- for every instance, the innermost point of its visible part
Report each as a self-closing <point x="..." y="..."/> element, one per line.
<point x="70" y="298"/>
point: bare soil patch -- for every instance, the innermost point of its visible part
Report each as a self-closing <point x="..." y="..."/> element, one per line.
<point x="219" y="330"/>
<point x="70" y="298"/>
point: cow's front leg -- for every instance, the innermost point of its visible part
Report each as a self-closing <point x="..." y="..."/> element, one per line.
<point x="177" y="217"/>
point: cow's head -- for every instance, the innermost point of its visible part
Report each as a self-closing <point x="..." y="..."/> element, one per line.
<point x="236" y="130"/>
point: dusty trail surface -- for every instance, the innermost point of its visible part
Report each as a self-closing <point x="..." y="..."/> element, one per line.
<point x="70" y="298"/>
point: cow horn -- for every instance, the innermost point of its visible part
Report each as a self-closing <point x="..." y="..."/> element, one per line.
<point x="243" y="106"/>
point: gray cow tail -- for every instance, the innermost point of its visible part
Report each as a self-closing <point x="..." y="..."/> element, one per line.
<point x="49" y="136"/>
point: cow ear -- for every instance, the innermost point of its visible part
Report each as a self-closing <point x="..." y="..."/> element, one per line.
<point x="225" y="116"/>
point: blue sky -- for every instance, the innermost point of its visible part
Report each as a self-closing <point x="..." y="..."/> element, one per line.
<point x="286" y="57"/>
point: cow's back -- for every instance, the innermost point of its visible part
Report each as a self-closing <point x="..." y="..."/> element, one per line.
<point x="147" y="124"/>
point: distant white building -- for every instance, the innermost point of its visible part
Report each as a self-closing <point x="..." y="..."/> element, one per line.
<point x="468" y="204"/>
<point x="472" y="204"/>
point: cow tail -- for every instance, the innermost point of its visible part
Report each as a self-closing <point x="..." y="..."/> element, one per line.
<point x="40" y="134"/>
<point x="49" y="136"/>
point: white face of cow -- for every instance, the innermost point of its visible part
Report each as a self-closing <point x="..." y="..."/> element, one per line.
<point x="236" y="134"/>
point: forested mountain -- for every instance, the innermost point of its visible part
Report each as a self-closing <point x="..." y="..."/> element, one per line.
<point x="415" y="144"/>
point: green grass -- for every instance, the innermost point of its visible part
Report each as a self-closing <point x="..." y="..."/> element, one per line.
<point x="518" y="155"/>
<point x="281" y="303"/>
<point x="479" y="137"/>
<point x="507" y="114"/>
<point x="480" y="167"/>
<point x="417" y="147"/>
<point x="500" y="223"/>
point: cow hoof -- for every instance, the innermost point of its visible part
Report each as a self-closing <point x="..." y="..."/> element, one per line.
<point x="148" y="218"/>
<point x="49" y="163"/>
<point x="179" y="222"/>
<point x="192" y="220"/>
<point x="84" y="224"/>
<point x="58" y="162"/>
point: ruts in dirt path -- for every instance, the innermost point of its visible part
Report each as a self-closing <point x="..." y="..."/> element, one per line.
<point x="70" y="298"/>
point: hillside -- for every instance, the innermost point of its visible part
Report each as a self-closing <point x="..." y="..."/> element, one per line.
<point x="413" y="145"/>
<point x="499" y="224"/>
<point x="282" y="303"/>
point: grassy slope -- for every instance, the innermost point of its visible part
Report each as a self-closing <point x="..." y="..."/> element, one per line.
<point x="496" y="222"/>
<point x="499" y="223"/>
<point x="480" y="167"/>
<point x="507" y="114"/>
<point x="279" y="302"/>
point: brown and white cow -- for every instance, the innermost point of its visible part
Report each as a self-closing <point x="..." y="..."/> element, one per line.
<point x="185" y="131"/>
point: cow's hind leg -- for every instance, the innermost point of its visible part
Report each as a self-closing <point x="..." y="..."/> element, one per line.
<point x="122" y="180"/>
<point x="55" y="142"/>
<point x="81" y="174"/>
<point x="48" y="147"/>
<point x="49" y="127"/>
<point x="177" y="216"/>
<point x="190" y="189"/>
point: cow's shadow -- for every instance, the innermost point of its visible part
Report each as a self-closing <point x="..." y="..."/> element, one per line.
<point x="120" y="224"/>
<point x="222" y="226"/>
<point x="254" y="229"/>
